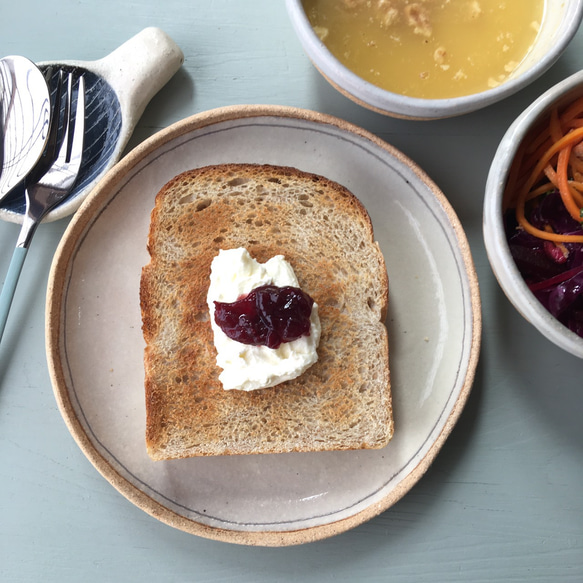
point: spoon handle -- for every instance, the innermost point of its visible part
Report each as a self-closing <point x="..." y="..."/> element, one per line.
<point x="10" y="282"/>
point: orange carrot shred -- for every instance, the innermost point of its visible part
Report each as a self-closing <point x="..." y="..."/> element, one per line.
<point x="563" y="182"/>
<point x="555" y="126"/>
<point x="574" y="110"/>
<point x="549" y="161"/>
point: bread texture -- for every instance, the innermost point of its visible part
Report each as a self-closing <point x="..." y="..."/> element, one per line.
<point x="341" y="402"/>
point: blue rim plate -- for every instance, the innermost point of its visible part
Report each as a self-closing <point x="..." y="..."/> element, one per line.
<point x="95" y="345"/>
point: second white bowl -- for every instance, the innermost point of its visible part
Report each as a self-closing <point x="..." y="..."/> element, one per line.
<point x="497" y="248"/>
<point x="560" y="23"/>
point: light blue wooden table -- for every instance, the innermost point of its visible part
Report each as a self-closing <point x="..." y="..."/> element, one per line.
<point x="504" y="499"/>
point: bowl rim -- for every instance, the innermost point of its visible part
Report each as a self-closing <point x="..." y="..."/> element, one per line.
<point x="401" y="106"/>
<point x="497" y="249"/>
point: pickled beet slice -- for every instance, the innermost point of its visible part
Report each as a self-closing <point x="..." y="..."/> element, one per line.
<point x="268" y="316"/>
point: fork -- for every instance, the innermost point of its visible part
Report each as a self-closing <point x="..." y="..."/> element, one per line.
<point x="49" y="183"/>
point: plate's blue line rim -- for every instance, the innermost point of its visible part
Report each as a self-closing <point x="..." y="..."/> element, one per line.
<point x="462" y="277"/>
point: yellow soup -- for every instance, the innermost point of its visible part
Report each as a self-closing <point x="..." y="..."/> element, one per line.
<point x="429" y="48"/>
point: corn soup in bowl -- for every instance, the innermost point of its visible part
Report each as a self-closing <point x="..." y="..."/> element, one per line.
<point x="429" y="59"/>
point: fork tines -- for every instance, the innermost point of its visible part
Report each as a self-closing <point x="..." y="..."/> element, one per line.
<point x="62" y="122"/>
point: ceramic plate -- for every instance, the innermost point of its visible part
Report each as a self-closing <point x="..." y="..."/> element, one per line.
<point x="95" y="344"/>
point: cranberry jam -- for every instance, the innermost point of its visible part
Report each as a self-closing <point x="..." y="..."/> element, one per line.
<point x="268" y="316"/>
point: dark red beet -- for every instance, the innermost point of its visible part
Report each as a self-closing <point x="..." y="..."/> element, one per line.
<point x="267" y="316"/>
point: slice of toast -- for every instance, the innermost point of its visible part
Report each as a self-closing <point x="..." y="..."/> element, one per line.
<point x="343" y="401"/>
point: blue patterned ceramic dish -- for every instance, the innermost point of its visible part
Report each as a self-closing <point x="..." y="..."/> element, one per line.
<point x="118" y="88"/>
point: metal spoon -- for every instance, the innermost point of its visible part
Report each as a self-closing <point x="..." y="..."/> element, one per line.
<point x="25" y="111"/>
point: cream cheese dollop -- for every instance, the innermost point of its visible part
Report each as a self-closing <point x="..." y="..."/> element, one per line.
<point x="245" y="367"/>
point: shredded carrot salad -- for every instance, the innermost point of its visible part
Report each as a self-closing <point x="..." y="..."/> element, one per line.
<point x="550" y="159"/>
<point x="543" y="213"/>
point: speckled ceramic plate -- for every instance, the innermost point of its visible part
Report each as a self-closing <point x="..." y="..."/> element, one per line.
<point x="95" y="345"/>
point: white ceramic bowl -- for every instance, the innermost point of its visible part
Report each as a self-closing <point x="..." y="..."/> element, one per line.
<point x="497" y="248"/>
<point x="560" y="23"/>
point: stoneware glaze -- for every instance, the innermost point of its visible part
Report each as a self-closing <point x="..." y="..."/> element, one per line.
<point x="560" y="23"/>
<point x="95" y="344"/>
<point x="119" y="87"/>
<point x="497" y="248"/>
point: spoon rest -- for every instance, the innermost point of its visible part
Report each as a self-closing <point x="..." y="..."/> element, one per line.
<point x="118" y="89"/>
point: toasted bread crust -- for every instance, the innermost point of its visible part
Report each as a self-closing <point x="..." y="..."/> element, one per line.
<point x="343" y="401"/>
